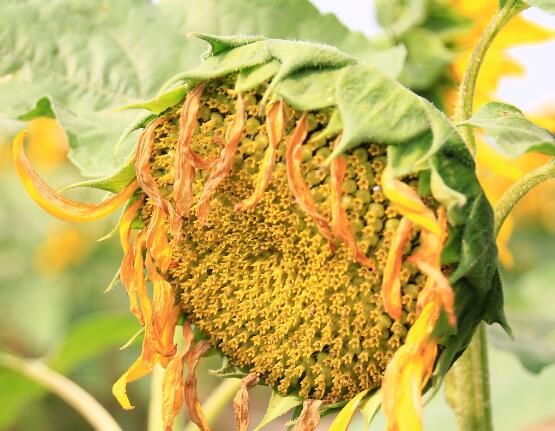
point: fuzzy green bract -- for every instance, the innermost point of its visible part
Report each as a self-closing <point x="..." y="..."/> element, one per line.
<point x="370" y="107"/>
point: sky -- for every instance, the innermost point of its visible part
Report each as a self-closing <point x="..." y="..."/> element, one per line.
<point x="532" y="93"/>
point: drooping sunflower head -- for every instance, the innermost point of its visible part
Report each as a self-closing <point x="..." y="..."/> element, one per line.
<point x="312" y="218"/>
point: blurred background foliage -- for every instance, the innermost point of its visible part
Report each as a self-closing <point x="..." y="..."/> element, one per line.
<point x="91" y="57"/>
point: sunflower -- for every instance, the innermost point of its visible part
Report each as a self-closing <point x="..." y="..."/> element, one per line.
<point x="305" y="217"/>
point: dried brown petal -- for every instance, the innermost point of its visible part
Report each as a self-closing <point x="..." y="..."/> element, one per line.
<point x="241" y="401"/>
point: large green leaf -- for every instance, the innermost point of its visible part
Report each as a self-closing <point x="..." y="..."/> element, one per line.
<point x="513" y="133"/>
<point x="427" y="59"/>
<point x="85" y="59"/>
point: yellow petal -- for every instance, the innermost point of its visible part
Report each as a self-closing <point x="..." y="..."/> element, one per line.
<point x="140" y="368"/>
<point x="344" y="417"/>
<point x="408" y="203"/>
<point x="56" y="204"/>
<point x="391" y="282"/>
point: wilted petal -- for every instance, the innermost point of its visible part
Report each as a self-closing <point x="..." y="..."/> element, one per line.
<point x="56" y="204"/>
<point x="408" y="372"/>
<point x="140" y="368"/>
<point x="191" y="394"/>
<point x="310" y="416"/>
<point x="172" y="391"/>
<point x="127" y="272"/>
<point x="298" y="186"/>
<point x="275" y="123"/>
<point x="340" y="221"/>
<point x="391" y="281"/>
<point x="157" y="240"/>
<point x="408" y="202"/>
<point x="241" y="402"/>
<point x="224" y="162"/>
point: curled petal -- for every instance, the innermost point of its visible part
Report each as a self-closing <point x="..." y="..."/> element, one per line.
<point x="223" y="165"/>
<point x="140" y="280"/>
<point x="191" y="395"/>
<point x="184" y="163"/>
<point x="408" y="203"/>
<point x="187" y="125"/>
<point x="162" y="306"/>
<point x="340" y="221"/>
<point x="298" y="186"/>
<point x="241" y="402"/>
<point x="157" y="240"/>
<point x="391" y="281"/>
<point x="127" y="272"/>
<point x="56" y="204"/>
<point x="172" y="391"/>
<point x="140" y="368"/>
<point x="408" y="372"/>
<point x="310" y="416"/>
<point x="275" y="123"/>
<point x="142" y="165"/>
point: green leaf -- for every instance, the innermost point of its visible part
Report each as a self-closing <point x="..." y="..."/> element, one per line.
<point x="513" y="133"/>
<point x="309" y="89"/>
<point x="93" y="57"/>
<point x="545" y="5"/>
<point x="90" y="338"/>
<point x="427" y="59"/>
<point x="345" y="416"/>
<point x="227" y="370"/>
<point x="533" y="343"/>
<point x="278" y="406"/>
<point x="389" y="61"/>
<point x="399" y="16"/>
<point x="374" y="108"/>
<point x="162" y="102"/>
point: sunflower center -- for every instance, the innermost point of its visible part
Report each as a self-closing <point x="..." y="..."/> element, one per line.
<point x="262" y="284"/>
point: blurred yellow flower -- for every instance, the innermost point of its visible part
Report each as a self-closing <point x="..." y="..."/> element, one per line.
<point x="62" y="247"/>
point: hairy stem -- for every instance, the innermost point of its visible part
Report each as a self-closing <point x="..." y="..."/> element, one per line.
<point x="467" y="386"/>
<point x="70" y="392"/>
<point x="519" y="189"/>
<point x="219" y="399"/>
<point x="467" y="88"/>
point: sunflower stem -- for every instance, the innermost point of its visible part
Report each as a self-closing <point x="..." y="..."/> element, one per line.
<point x="467" y="88"/>
<point x="519" y="189"/>
<point x="74" y="395"/>
<point x="467" y="386"/>
<point x="216" y="402"/>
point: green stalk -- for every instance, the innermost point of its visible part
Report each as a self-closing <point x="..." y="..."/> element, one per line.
<point x="468" y="383"/>
<point x="217" y="401"/>
<point x="467" y="88"/>
<point x="518" y="190"/>
<point x="73" y="394"/>
<point x="467" y="386"/>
